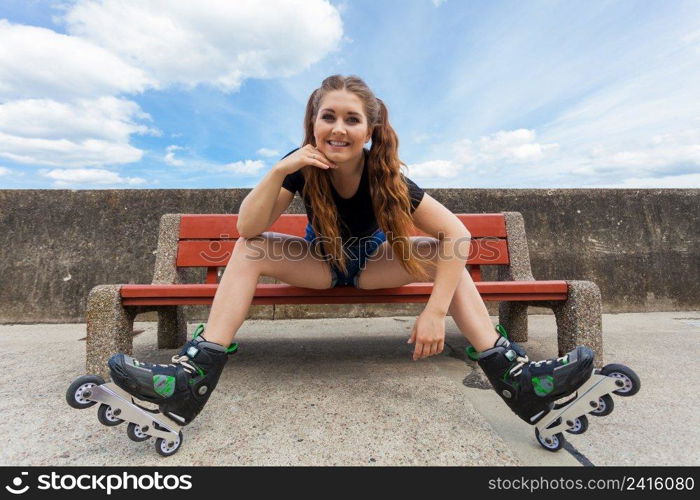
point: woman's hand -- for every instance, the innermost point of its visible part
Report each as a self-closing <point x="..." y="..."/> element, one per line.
<point x="308" y="155"/>
<point x="428" y="334"/>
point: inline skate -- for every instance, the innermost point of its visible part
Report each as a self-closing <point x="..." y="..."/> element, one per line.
<point x="534" y="389"/>
<point x="178" y="390"/>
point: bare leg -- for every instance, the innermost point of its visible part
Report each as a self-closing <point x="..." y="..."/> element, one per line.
<point x="471" y="316"/>
<point x="467" y="308"/>
<point x="287" y="258"/>
<point x="231" y="302"/>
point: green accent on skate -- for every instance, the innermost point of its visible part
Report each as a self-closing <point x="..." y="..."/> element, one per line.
<point x="543" y="386"/>
<point x="502" y="331"/>
<point x="473" y="354"/>
<point x="198" y="331"/>
<point x="164" y="385"/>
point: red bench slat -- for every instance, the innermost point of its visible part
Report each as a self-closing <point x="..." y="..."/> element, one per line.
<point x="223" y="226"/>
<point x="286" y="294"/>
<point x="216" y="253"/>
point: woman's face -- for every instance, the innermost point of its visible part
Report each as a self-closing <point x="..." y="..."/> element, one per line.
<point x="341" y="119"/>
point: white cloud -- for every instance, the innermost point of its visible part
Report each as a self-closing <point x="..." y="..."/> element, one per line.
<point x="5" y="171"/>
<point x="672" y="181"/>
<point x="170" y="156"/>
<point x="105" y="118"/>
<point x="434" y="169"/>
<point x="514" y="145"/>
<point x="245" y="167"/>
<point x="620" y="161"/>
<point x="505" y="145"/>
<point x="40" y="63"/>
<point x="55" y="88"/>
<point x="421" y="138"/>
<point x="269" y="153"/>
<point x="213" y="42"/>
<point x="438" y="3"/>
<point x="657" y="157"/>
<point x="666" y="160"/>
<point x="72" y="177"/>
<point x="486" y="156"/>
<point x="691" y="38"/>
<point x="80" y="133"/>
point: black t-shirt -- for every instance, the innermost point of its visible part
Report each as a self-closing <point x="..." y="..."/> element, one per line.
<point x="355" y="212"/>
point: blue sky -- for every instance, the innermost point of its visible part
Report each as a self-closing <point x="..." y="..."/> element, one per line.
<point x="486" y="94"/>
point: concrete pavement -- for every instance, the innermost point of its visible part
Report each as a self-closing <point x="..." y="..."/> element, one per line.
<point x="346" y="392"/>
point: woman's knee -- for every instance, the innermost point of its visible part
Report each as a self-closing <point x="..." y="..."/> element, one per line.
<point x="251" y="251"/>
<point x="270" y="252"/>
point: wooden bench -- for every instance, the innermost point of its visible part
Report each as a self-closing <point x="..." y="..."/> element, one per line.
<point x="207" y="241"/>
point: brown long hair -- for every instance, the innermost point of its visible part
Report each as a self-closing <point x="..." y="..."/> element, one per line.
<point x="389" y="192"/>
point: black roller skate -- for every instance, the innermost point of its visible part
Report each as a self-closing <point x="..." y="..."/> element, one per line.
<point x="532" y="389"/>
<point x="180" y="390"/>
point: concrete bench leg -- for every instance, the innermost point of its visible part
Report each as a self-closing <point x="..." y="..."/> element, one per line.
<point x="513" y="317"/>
<point x="110" y="328"/>
<point x="579" y="319"/>
<point x="172" y="327"/>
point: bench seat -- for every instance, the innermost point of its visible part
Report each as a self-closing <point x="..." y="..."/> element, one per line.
<point x="266" y="294"/>
<point x="207" y="241"/>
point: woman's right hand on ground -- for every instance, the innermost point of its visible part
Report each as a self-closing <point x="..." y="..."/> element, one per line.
<point x="308" y="155"/>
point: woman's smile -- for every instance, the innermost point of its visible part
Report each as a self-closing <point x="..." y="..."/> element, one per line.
<point x="338" y="144"/>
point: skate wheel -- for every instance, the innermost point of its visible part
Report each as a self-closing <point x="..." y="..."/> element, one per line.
<point x="580" y="425"/>
<point x="555" y="443"/>
<point x="630" y="380"/>
<point x="106" y="416"/>
<point x="75" y="395"/>
<point x="605" y="406"/>
<point x="135" y="433"/>
<point x="167" y="447"/>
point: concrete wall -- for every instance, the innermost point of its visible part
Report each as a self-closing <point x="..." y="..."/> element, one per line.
<point x="640" y="246"/>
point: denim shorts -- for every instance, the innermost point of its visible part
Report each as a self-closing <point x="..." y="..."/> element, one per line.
<point x="356" y="254"/>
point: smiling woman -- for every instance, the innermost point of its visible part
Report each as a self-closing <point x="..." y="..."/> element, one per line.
<point x="350" y="192"/>
<point x="344" y="109"/>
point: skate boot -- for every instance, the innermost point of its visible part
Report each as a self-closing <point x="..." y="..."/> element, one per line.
<point x="180" y="390"/>
<point x="534" y="389"/>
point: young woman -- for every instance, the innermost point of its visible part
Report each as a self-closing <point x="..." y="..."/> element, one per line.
<point x="361" y="210"/>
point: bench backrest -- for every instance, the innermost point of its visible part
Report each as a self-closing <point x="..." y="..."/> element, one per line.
<point x="207" y="240"/>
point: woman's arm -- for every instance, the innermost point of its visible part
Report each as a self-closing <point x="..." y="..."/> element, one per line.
<point x="434" y="219"/>
<point x="256" y="209"/>
<point x="453" y="251"/>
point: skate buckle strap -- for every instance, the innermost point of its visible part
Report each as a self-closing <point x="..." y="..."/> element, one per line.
<point x="198" y="331"/>
<point x="473" y="354"/>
